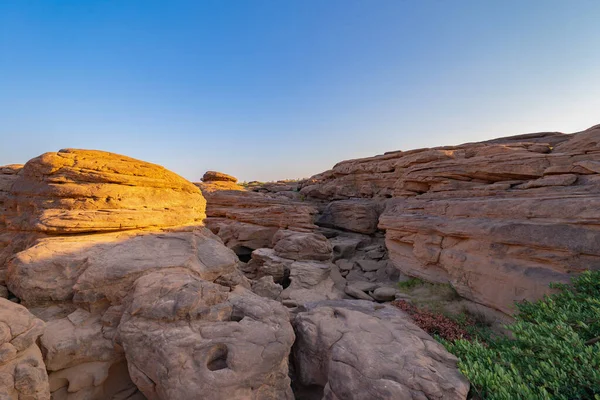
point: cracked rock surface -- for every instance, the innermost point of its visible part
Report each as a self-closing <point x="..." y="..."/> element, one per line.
<point x="359" y="350"/>
<point x="187" y="338"/>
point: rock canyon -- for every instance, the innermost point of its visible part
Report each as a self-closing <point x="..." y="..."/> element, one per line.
<point x="121" y="280"/>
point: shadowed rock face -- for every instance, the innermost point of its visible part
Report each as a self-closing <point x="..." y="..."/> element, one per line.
<point x="498" y="220"/>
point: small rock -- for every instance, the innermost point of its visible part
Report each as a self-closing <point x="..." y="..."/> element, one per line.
<point x="384" y="294"/>
<point x="355" y="275"/>
<point x="3" y="292"/>
<point x="370" y="265"/>
<point x="344" y="247"/>
<point x="371" y="276"/>
<point x="356" y="293"/>
<point x="336" y="276"/>
<point x="364" y="286"/>
<point x="344" y="265"/>
<point x="376" y="254"/>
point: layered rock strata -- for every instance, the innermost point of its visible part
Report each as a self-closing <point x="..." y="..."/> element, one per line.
<point x="498" y="220"/>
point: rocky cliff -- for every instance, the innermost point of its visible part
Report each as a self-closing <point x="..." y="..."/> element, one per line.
<point x="498" y="220"/>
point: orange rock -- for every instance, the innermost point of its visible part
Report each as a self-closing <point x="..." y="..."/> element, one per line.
<point x="214" y="176"/>
<point x="74" y="191"/>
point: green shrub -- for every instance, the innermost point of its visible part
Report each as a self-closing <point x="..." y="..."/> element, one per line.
<point x="554" y="352"/>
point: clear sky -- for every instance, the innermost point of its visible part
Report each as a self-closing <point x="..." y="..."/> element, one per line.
<point x="286" y="88"/>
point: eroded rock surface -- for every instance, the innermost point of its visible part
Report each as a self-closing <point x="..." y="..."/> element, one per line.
<point x="186" y="338"/>
<point x="74" y="191"/>
<point x="249" y="220"/>
<point x="358" y="350"/>
<point x="82" y="281"/>
<point x="215" y="176"/>
<point x="22" y="372"/>
<point x="302" y="246"/>
<point x="498" y="220"/>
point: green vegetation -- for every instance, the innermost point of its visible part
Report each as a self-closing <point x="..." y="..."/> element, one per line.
<point x="554" y="352"/>
<point x="411" y="283"/>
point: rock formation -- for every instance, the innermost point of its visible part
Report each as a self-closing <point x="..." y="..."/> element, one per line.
<point x="356" y="350"/>
<point x="129" y="296"/>
<point x="127" y="249"/>
<point x="248" y="220"/>
<point x="22" y="372"/>
<point x="498" y="220"/>
<point x="76" y="191"/>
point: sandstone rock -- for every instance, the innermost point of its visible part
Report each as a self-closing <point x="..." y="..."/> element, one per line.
<point x="344" y="265"/>
<point x="482" y="216"/>
<point x="356" y="293"/>
<point x="8" y="174"/>
<point x="364" y="286"/>
<point x="383" y="176"/>
<point x="74" y="191"/>
<point x="258" y="209"/>
<point x="310" y="281"/>
<point x="212" y="176"/>
<point x="266" y="287"/>
<point x="103" y="267"/>
<point x="371" y="265"/>
<point x="384" y="294"/>
<point x="358" y="350"/>
<point x="264" y="262"/>
<point x="356" y="215"/>
<point x="215" y="186"/>
<point x="302" y="246"/>
<point x="233" y="345"/>
<point x="249" y="220"/>
<point x="22" y="372"/>
<point x="94" y="380"/>
<point x="552" y="180"/>
<point x="82" y="284"/>
<point x="75" y="340"/>
<point x="242" y="237"/>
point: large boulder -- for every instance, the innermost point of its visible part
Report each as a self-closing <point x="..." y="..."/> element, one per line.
<point x="265" y="262"/>
<point x="358" y="350"/>
<point x="75" y="191"/>
<point x="102" y="268"/>
<point x="186" y="338"/>
<point x="22" y="372"/>
<point x="302" y="246"/>
<point x="310" y="281"/>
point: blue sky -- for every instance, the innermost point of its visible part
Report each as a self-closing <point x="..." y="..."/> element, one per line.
<point x="285" y="89"/>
